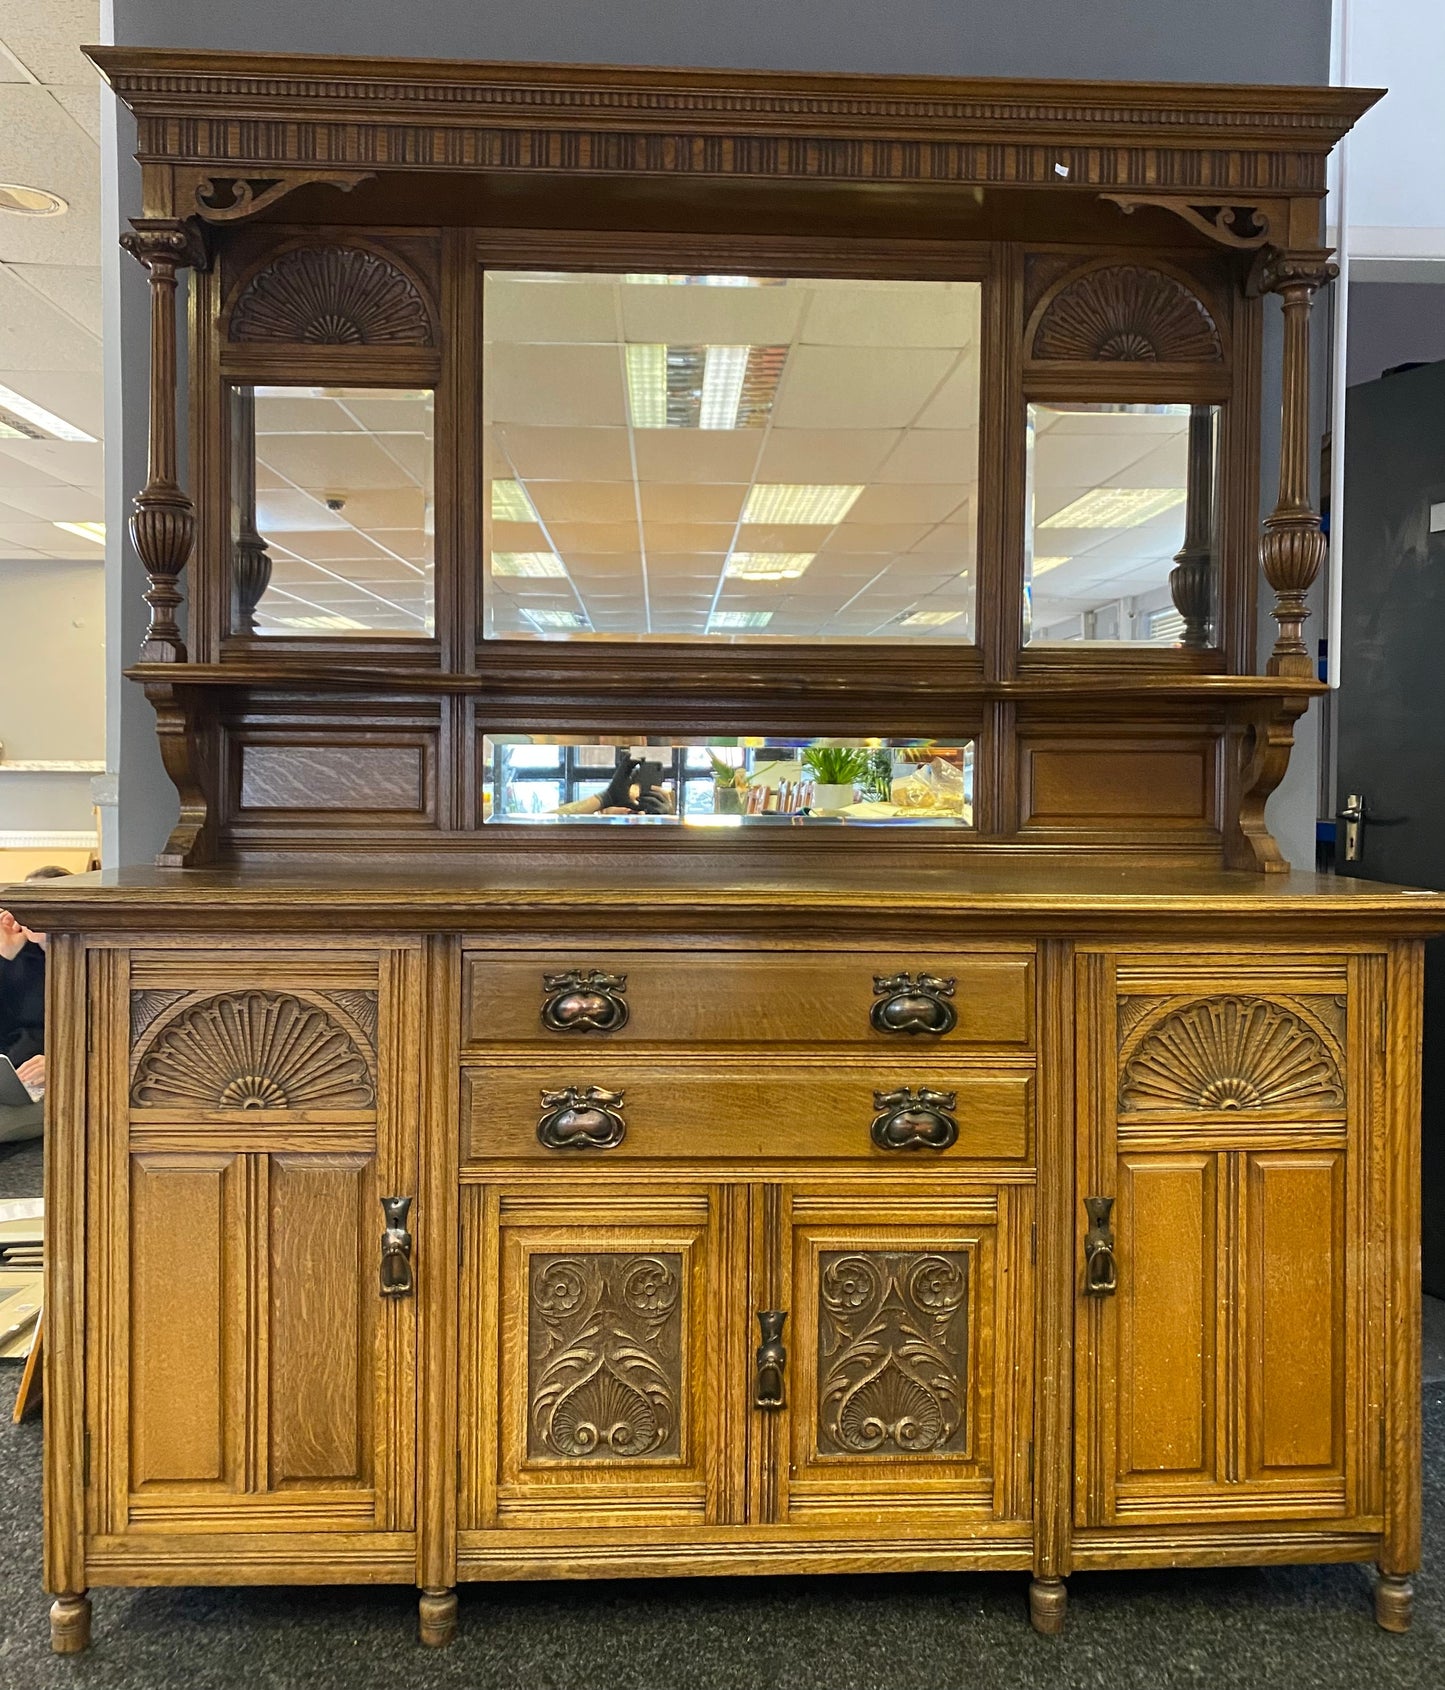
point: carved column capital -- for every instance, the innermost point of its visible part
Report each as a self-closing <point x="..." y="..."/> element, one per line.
<point x="1298" y="274"/>
<point x="165" y="245"/>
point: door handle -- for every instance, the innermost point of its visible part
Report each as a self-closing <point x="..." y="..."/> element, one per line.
<point x="1101" y="1271"/>
<point x="396" y="1275"/>
<point x="1353" y="816"/>
<point x="772" y="1359"/>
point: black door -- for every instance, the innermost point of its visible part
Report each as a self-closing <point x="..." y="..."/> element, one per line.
<point x="1391" y="705"/>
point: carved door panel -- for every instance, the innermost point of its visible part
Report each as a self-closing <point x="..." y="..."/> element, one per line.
<point x="252" y="1371"/>
<point x="909" y="1337"/>
<point x="615" y="1376"/>
<point x="1228" y="1374"/>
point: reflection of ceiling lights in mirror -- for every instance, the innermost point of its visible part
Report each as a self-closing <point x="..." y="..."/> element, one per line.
<point x="722" y="386"/>
<point x="647" y="384"/>
<point x="28" y="411"/>
<point x="92" y="531"/>
<point x="701" y="281"/>
<point x="739" y="619"/>
<point x="768" y="566"/>
<point x="713" y="387"/>
<point x="780" y="501"/>
<point x="929" y="618"/>
<point x="572" y="619"/>
<point x="320" y="624"/>
<point x="1042" y="565"/>
<point x="1116" y="507"/>
<point x="510" y="503"/>
<point x="535" y="565"/>
<point x="30" y="202"/>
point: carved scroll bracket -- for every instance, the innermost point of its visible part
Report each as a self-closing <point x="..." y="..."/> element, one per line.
<point x="1264" y="758"/>
<point x="231" y="199"/>
<point x="163" y="519"/>
<point x="180" y="713"/>
<point x="1244" y="228"/>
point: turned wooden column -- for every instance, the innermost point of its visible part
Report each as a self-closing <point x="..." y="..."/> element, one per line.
<point x="163" y="519"/>
<point x="1191" y="581"/>
<point x="1292" y="547"/>
<point x="250" y="561"/>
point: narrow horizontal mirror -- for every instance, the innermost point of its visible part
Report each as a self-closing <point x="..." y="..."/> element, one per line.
<point x="1122" y="524"/>
<point x="332" y="513"/>
<point x="727" y="782"/>
<point x="729" y="457"/>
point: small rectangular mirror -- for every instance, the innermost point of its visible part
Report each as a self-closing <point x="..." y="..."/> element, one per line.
<point x="1122" y="524"/>
<point x="332" y="511"/>
<point x="727" y="782"/>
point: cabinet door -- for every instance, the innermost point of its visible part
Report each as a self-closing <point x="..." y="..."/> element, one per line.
<point x="909" y="1321"/>
<point x="253" y="1375"/>
<point x="602" y="1356"/>
<point x="1225" y="1378"/>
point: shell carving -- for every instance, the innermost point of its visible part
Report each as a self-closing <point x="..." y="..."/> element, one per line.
<point x="332" y="296"/>
<point x="1231" y="1053"/>
<point x="1124" y="313"/>
<point x="253" y="1050"/>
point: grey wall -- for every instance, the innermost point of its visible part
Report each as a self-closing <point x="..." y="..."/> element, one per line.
<point x="1394" y="323"/>
<point x="1206" y="41"/>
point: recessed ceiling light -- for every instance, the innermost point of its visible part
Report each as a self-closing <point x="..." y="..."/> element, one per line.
<point x="701" y="281"/>
<point x="30" y="202"/>
<point x="715" y="387"/>
<point x="28" y="411"/>
<point x="768" y="566"/>
<point x="1116" y="507"/>
<point x="556" y="618"/>
<point x="929" y="618"/>
<point x="510" y="503"/>
<point x="739" y="619"/>
<point x="92" y="531"/>
<point x="1042" y="565"/>
<point x="534" y="565"/>
<point x="647" y="384"/>
<point x="782" y="501"/>
<point x="722" y="386"/>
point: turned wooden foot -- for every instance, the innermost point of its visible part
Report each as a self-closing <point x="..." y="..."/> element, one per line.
<point x="437" y="1618"/>
<point x="70" y="1624"/>
<point x="1394" y="1600"/>
<point x="1047" y="1601"/>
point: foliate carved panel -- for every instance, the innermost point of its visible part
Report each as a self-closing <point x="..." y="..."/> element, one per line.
<point x="332" y="296"/>
<point x="604" y="1356"/>
<point x="1228" y="1052"/>
<point x="1125" y="313"/>
<point x="892" y="1352"/>
<point x="254" y="1050"/>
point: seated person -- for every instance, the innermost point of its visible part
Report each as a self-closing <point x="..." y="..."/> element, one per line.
<point x="22" y="1016"/>
<point x="634" y="790"/>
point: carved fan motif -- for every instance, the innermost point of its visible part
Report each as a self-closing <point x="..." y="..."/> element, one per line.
<point x="1124" y="313"/>
<point x="332" y="296"/>
<point x="254" y="1050"/>
<point x="1231" y="1053"/>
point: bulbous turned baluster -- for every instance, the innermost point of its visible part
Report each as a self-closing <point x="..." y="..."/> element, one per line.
<point x="250" y="561"/>
<point x="163" y="519"/>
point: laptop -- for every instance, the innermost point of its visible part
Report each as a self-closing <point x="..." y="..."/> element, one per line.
<point x="14" y="1093"/>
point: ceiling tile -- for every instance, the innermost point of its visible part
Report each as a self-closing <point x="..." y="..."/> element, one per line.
<point x="829" y="456"/>
<point x="71" y="288"/>
<point x="710" y="316"/>
<point x="937" y="455"/>
<point x="564" y="386"/>
<point x="671" y="501"/>
<point x="47" y="38"/>
<point x="36" y="334"/>
<point x="955" y="405"/>
<point x="884" y="313"/>
<point x="56" y="504"/>
<point x="857" y="387"/>
<point x="698" y="455"/>
<point x="517" y="308"/>
<point x="564" y="454"/>
<point x="584" y="501"/>
<point x="16" y="473"/>
<point x="44" y="149"/>
<point x="75" y="394"/>
<point x="914" y="502"/>
<point x="82" y="104"/>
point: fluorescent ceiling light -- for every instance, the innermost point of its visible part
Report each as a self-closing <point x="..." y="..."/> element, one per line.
<point x="768" y="566"/>
<point x="739" y="619"/>
<point x="714" y="387"/>
<point x="556" y="618"/>
<point x="92" y="531"/>
<point x="320" y="624"/>
<point x="30" y="202"/>
<point x="1116" y="507"/>
<point x="510" y="503"/>
<point x="722" y="386"/>
<point x="781" y="501"/>
<point x="29" y="411"/>
<point x="698" y="281"/>
<point x="647" y="384"/>
<point x="534" y="565"/>
<point x="1042" y="565"/>
<point x="930" y="618"/>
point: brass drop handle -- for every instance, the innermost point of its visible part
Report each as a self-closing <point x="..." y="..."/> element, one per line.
<point x="1101" y="1271"/>
<point x="902" y="1004"/>
<point x="914" y="1120"/>
<point x="772" y="1359"/>
<point x="578" y="1002"/>
<point x="582" y="1118"/>
<point x="396" y="1275"/>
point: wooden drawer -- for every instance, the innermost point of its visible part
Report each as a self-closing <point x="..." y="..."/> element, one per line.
<point x="746" y="1111"/>
<point x="717" y="998"/>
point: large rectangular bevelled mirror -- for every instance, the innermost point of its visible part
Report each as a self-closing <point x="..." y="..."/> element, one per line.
<point x="726" y="782"/>
<point x="332" y="511"/>
<point x="729" y="457"/>
<point x="1122" y="525"/>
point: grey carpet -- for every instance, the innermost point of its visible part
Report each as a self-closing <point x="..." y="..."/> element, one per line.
<point x="1288" y="1628"/>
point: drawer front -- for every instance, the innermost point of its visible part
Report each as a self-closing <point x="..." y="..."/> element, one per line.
<point x="751" y="1111"/>
<point x="720" y="998"/>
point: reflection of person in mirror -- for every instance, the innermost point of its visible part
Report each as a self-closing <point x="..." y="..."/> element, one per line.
<point x="22" y="1017"/>
<point x="634" y="790"/>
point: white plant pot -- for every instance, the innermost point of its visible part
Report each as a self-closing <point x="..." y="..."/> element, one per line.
<point x="831" y="798"/>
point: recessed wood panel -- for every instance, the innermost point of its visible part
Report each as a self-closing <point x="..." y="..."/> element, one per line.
<point x="1151" y="786"/>
<point x="386" y="779"/>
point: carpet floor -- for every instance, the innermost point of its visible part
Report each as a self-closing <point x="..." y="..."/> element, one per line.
<point x="1285" y="1628"/>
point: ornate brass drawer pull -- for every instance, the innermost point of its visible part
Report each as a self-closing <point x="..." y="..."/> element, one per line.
<point x="396" y="1275"/>
<point x="910" y="1120"/>
<point x="905" y="1005"/>
<point x="772" y="1359"/>
<point x="1101" y="1271"/>
<point x="582" y="1118"/>
<point x="578" y="1002"/>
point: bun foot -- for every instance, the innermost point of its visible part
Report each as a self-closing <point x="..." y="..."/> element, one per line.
<point x="437" y="1618"/>
<point x="1394" y="1601"/>
<point x="1047" y="1601"/>
<point x="70" y="1624"/>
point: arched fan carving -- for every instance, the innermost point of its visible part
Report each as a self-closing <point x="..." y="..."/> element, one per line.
<point x="1125" y="313"/>
<point x="254" y="1050"/>
<point x="1231" y="1053"/>
<point x="332" y="296"/>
